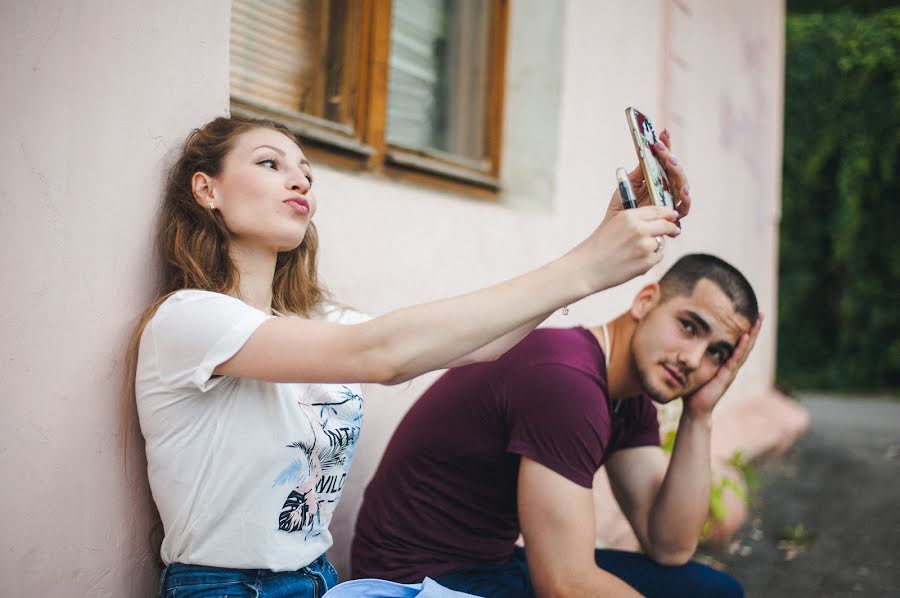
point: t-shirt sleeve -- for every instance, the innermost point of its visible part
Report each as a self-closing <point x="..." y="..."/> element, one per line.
<point x="193" y="332"/>
<point x="644" y="426"/>
<point x="558" y="417"/>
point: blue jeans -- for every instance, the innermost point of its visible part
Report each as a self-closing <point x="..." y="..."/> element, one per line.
<point x="512" y="579"/>
<point x="198" y="581"/>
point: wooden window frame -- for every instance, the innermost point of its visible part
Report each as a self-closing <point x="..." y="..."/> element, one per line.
<point x="363" y="145"/>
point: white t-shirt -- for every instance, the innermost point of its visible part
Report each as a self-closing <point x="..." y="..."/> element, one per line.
<point x="246" y="474"/>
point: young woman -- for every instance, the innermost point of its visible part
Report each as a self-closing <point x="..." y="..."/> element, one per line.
<point x="247" y="376"/>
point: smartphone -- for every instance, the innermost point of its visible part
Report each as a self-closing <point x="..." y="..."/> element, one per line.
<point x="644" y="135"/>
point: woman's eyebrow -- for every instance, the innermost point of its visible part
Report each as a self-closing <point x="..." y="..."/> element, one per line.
<point x="271" y="147"/>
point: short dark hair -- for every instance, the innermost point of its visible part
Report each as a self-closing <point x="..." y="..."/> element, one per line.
<point x="684" y="274"/>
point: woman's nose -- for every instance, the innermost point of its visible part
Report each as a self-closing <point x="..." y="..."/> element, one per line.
<point x="298" y="182"/>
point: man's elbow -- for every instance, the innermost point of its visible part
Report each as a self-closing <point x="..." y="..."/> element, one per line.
<point x="560" y="588"/>
<point x="585" y="582"/>
<point x="670" y="548"/>
<point x="557" y="582"/>
<point x="672" y="557"/>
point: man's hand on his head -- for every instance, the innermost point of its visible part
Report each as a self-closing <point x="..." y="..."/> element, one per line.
<point x="702" y="400"/>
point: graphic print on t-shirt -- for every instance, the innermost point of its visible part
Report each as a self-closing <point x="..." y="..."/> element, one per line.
<point x="318" y="474"/>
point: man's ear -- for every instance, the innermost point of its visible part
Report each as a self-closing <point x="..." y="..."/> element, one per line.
<point x="203" y="188"/>
<point x="646" y="299"/>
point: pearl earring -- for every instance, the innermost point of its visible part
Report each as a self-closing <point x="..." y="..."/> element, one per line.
<point x="212" y="206"/>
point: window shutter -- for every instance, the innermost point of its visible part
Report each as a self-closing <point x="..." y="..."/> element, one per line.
<point x="437" y="91"/>
<point x="272" y="48"/>
<point x="417" y="30"/>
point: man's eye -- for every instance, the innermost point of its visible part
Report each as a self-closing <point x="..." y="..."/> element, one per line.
<point x="269" y="163"/>
<point x="717" y="355"/>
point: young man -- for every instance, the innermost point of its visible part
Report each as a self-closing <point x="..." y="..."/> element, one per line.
<point x="510" y="446"/>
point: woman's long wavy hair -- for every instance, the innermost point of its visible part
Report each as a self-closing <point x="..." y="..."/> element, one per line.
<point x="193" y="242"/>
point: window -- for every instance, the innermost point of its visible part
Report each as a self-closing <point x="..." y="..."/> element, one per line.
<point x="395" y="84"/>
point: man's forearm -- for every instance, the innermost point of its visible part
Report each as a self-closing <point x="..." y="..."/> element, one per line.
<point x="682" y="504"/>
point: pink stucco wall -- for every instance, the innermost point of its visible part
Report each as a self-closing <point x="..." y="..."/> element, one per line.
<point x="98" y="93"/>
<point x="94" y="95"/>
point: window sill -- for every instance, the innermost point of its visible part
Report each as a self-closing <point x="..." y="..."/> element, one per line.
<point x="307" y="127"/>
<point x="444" y="165"/>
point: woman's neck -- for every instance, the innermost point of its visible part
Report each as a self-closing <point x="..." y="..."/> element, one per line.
<point x="256" y="271"/>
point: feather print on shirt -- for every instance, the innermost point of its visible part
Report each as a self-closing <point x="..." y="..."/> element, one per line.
<point x="318" y="474"/>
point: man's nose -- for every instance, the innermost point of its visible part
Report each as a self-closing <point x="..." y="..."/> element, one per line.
<point x="692" y="356"/>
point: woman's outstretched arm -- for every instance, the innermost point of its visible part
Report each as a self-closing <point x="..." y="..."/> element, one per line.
<point x="408" y="342"/>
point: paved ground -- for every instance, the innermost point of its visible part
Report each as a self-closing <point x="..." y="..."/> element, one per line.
<point x="826" y="518"/>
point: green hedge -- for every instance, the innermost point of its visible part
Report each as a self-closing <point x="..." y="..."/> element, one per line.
<point x="839" y="291"/>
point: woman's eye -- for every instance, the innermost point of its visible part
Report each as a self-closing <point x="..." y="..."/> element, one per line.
<point x="269" y="163"/>
<point x="687" y="326"/>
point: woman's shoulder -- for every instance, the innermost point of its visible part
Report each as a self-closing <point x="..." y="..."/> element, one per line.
<point x="191" y="307"/>
<point x="197" y="296"/>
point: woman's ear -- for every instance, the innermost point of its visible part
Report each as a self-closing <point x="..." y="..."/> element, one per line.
<point x="202" y="186"/>
<point x="646" y="299"/>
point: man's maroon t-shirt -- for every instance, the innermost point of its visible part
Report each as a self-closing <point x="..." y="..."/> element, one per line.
<point x="444" y="495"/>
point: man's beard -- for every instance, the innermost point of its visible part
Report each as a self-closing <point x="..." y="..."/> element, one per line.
<point x="663" y="396"/>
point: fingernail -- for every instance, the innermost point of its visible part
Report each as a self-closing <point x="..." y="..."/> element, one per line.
<point x="665" y="131"/>
<point x="673" y="161"/>
<point x="686" y="191"/>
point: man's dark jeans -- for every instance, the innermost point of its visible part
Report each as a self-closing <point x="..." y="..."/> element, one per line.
<point x="512" y="579"/>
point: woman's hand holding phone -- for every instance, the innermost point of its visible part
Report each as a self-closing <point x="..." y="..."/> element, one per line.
<point x="628" y="243"/>
<point x="675" y="172"/>
<point x="677" y="178"/>
<point x="647" y="215"/>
